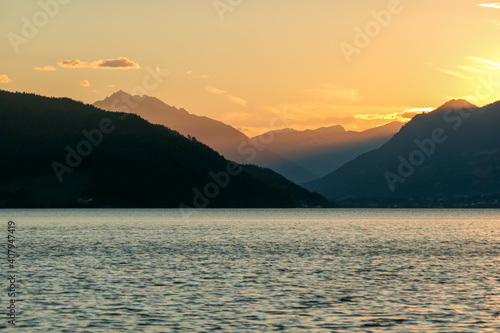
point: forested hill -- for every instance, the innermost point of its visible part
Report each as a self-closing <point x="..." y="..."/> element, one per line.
<point x="57" y="152"/>
<point x="448" y="157"/>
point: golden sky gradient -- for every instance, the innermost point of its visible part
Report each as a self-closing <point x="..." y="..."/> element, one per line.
<point x="355" y="63"/>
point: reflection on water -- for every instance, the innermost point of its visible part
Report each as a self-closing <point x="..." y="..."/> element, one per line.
<point x="258" y="270"/>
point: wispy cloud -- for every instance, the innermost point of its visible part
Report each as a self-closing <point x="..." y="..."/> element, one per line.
<point x="85" y="83"/>
<point x="237" y="100"/>
<point x="301" y="116"/>
<point x="228" y="96"/>
<point x="470" y="69"/>
<point x="216" y="91"/>
<point x="419" y="110"/>
<point x="474" y="66"/>
<point x="490" y="5"/>
<point x="454" y="73"/>
<point x="118" y="63"/>
<point x="489" y="62"/>
<point x="4" y="79"/>
<point x="45" y="68"/>
<point x="402" y="116"/>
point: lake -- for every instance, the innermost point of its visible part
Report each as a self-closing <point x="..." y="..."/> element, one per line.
<point x="297" y="270"/>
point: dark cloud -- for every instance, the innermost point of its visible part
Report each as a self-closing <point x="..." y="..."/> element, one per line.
<point x="118" y="63"/>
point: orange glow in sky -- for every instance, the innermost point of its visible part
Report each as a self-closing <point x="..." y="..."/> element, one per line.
<point x="355" y="63"/>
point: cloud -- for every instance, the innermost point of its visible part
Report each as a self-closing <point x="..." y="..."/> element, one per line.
<point x="474" y="65"/>
<point x="118" y="63"/>
<point x="204" y="76"/>
<point x="189" y="72"/>
<point x="402" y="116"/>
<point x="489" y="62"/>
<point x="470" y="69"/>
<point x="45" y="68"/>
<point x="490" y="5"/>
<point x="316" y="115"/>
<point x="4" y="79"/>
<point x="229" y="97"/>
<point x="85" y="83"/>
<point x="454" y="73"/>
<point x="73" y="63"/>
<point x="259" y="119"/>
<point x="236" y="100"/>
<point x="216" y="91"/>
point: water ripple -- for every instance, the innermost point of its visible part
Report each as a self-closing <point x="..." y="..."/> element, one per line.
<point x="258" y="271"/>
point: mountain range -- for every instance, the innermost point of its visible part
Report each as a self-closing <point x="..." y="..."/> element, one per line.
<point x="450" y="154"/>
<point x="57" y="152"/>
<point x="325" y="149"/>
<point x="300" y="156"/>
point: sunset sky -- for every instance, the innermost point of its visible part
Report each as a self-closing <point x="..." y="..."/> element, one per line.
<point x="242" y="61"/>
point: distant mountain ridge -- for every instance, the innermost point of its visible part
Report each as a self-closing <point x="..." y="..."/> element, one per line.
<point x="298" y="155"/>
<point x="156" y="111"/>
<point x="327" y="148"/>
<point x="451" y="151"/>
<point x="225" y="139"/>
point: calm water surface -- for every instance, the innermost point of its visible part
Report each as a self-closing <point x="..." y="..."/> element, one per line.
<point x="256" y="270"/>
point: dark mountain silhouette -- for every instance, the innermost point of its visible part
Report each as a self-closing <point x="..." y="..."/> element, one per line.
<point x="213" y="133"/>
<point x="226" y="140"/>
<point x="301" y="196"/>
<point x="113" y="159"/>
<point x="325" y="149"/>
<point x="453" y="151"/>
